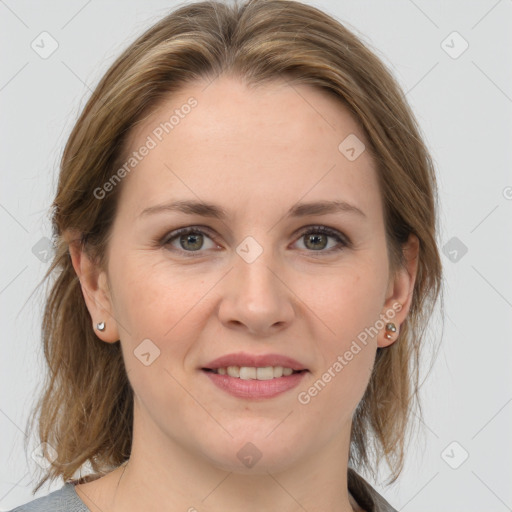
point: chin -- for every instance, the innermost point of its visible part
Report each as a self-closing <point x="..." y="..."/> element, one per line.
<point x="258" y="454"/>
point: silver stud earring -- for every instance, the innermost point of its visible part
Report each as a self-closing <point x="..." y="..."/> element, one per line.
<point x="100" y="326"/>
<point x="390" y="328"/>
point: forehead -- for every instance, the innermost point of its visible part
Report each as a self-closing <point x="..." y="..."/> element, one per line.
<point x="271" y="143"/>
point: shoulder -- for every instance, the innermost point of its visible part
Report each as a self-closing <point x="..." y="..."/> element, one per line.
<point x="64" y="499"/>
<point x="365" y="495"/>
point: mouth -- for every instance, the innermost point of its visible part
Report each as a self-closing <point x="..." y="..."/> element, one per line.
<point x="255" y="383"/>
<point x="254" y="373"/>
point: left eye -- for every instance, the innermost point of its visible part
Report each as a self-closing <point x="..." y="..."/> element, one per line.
<point x="315" y="238"/>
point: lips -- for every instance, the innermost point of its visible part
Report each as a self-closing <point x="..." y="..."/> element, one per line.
<point x="254" y="360"/>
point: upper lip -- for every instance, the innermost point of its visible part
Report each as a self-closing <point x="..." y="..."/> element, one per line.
<point x="254" y="360"/>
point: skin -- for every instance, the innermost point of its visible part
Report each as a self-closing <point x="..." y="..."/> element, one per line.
<point x="256" y="152"/>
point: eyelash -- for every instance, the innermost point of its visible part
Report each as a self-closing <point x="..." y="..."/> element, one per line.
<point x="343" y="241"/>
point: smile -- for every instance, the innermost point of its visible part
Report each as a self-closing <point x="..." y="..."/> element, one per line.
<point x="249" y="372"/>
<point x="255" y="383"/>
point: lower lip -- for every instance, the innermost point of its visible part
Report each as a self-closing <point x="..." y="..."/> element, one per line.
<point x="253" y="388"/>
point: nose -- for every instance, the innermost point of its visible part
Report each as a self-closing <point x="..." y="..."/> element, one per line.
<point x="256" y="297"/>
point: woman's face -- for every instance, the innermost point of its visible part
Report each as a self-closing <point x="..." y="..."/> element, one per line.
<point x="250" y="280"/>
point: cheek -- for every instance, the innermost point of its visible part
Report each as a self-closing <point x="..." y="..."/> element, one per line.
<point x="152" y="297"/>
<point x="349" y="303"/>
<point x="158" y="314"/>
<point x="349" y="307"/>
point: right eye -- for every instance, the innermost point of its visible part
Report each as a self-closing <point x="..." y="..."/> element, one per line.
<point x="190" y="240"/>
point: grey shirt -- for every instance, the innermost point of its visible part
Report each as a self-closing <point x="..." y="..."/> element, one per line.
<point x="66" y="499"/>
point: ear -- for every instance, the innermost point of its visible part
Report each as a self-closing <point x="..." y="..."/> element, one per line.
<point x="400" y="291"/>
<point x="95" y="288"/>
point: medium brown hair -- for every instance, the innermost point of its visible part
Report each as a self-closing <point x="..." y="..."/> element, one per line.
<point x="86" y="407"/>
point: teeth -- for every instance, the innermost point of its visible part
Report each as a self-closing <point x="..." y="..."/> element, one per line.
<point x="233" y="371"/>
<point x="246" y="373"/>
<point x="249" y="372"/>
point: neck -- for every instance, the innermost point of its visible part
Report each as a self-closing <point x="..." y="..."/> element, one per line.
<point x="164" y="475"/>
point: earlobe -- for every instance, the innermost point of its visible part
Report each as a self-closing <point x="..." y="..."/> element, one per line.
<point x="400" y="293"/>
<point x="93" y="282"/>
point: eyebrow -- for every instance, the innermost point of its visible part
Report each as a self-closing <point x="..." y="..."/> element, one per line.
<point x="211" y="210"/>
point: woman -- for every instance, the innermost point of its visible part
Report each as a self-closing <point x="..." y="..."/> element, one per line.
<point x="247" y="259"/>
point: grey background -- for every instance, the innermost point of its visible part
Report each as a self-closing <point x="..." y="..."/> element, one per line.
<point x="464" y="107"/>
